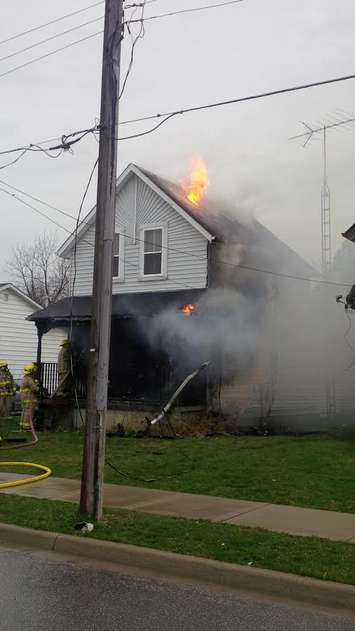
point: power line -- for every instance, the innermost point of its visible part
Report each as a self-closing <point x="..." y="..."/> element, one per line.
<point x="192" y="10"/>
<point x="49" y="39"/>
<point x="168" y="115"/>
<point x="177" y="250"/>
<point x="65" y="142"/>
<point x="253" y="97"/>
<point x="135" y="41"/>
<point x="53" y="52"/>
<point x="37" y="28"/>
<point x="35" y="209"/>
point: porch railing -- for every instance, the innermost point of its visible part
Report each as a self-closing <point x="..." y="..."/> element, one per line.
<point x="49" y="380"/>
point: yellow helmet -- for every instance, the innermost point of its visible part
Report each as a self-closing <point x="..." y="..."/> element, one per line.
<point x="28" y="369"/>
<point x="3" y="363"/>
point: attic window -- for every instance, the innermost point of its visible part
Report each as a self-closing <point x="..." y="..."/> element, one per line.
<point x="153" y="252"/>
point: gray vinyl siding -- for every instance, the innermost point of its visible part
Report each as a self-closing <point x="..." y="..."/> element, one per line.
<point x="137" y="205"/>
<point x="18" y="336"/>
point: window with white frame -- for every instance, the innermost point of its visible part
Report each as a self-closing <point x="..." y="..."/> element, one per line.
<point x="153" y="252"/>
<point x="117" y="256"/>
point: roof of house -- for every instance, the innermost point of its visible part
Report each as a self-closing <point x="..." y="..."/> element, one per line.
<point x="123" y="305"/>
<point x="20" y="294"/>
<point x="214" y="220"/>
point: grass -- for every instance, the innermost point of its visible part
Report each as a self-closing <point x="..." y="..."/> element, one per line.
<point x="306" y="556"/>
<point x="311" y="471"/>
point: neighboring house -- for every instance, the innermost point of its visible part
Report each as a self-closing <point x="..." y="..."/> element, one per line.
<point x="194" y="283"/>
<point x="18" y="336"/>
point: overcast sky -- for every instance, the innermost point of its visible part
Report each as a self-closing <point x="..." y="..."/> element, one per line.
<point x="250" y="47"/>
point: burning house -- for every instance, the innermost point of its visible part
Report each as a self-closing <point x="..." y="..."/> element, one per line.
<point x="192" y="283"/>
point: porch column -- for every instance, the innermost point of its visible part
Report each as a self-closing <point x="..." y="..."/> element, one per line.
<point x="42" y="328"/>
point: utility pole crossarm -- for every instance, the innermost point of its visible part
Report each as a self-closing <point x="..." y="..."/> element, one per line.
<point x="91" y="498"/>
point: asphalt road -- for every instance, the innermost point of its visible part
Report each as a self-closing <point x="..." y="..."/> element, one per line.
<point x="39" y="592"/>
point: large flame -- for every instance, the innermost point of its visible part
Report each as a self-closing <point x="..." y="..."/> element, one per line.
<point x="196" y="184"/>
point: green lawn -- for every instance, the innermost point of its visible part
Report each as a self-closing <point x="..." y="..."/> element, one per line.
<point x="316" y="471"/>
<point x="313" y="557"/>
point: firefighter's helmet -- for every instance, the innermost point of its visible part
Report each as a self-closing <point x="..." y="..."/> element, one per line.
<point x="29" y="368"/>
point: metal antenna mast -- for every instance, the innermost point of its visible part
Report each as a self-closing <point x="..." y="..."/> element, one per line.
<point x="326" y="236"/>
<point x="326" y="244"/>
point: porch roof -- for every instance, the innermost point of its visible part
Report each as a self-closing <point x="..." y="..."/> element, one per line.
<point x="123" y="305"/>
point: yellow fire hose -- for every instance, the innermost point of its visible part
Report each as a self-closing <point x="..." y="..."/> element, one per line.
<point x="30" y="480"/>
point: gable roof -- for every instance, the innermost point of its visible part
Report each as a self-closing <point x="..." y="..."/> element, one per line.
<point x="210" y="219"/>
<point x="151" y="180"/>
<point x="20" y="294"/>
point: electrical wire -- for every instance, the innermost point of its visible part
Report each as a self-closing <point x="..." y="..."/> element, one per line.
<point x="65" y="142"/>
<point x="4" y="166"/>
<point x="192" y="10"/>
<point x="148" y="131"/>
<point x="49" y="39"/>
<point x="56" y="20"/>
<point x="76" y="240"/>
<point x="53" y="52"/>
<point x="168" y="115"/>
<point x="72" y="286"/>
<point x="135" y="41"/>
<point x="128" y="476"/>
<point x="177" y="250"/>
<point x="253" y="97"/>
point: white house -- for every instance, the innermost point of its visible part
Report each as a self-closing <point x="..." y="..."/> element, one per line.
<point x="18" y="336"/>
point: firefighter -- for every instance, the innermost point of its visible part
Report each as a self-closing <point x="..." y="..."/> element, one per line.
<point x="64" y="369"/>
<point x="7" y="388"/>
<point x="29" y="396"/>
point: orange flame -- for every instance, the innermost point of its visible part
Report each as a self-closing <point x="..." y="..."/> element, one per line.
<point x="197" y="182"/>
<point x="188" y="309"/>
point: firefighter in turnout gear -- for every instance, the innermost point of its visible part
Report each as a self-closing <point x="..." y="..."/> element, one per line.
<point x="29" y="396"/>
<point x="7" y="389"/>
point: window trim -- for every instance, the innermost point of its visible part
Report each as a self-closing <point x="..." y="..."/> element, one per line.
<point x="164" y="253"/>
<point x="121" y="260"/>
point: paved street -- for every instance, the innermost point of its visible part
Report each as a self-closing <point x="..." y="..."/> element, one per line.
<point x="39" y="593"/>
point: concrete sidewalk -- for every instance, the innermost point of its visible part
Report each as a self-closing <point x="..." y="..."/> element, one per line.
<point x="289" y="519"/>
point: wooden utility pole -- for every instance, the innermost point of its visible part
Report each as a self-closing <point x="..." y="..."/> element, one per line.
<point x="95" y="430"/>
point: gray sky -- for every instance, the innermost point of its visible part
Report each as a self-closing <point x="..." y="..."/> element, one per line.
<point x="185" y="60"/>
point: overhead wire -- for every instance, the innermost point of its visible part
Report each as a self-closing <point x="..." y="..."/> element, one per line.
<point x="252" y="97"/>
<point x="55" y="21"/>
<point x="179" y="251"/>
<point x="53" y="52"/>
<point x="49" y="39"/>
<point x="134" y="41"/>
<point x="191" y="10"/>
<point x="168" y="115"/>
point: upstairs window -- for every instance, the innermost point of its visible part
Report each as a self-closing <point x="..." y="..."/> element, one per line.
<point x="153" y="252"/>
<point x="117" y="258"/>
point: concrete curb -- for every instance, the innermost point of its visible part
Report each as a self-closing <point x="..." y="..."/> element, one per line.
<point x="267" y="583"/>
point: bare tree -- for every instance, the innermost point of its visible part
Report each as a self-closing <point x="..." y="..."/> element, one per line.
<point x="38" y="271"/>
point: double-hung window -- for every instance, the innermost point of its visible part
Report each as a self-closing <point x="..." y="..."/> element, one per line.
<point x="117" y="256"/>
<point x="153" y="260"/>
